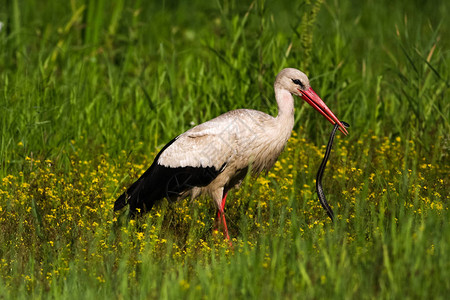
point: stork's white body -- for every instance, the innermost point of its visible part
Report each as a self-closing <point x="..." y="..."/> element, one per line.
<point x="237" y="140"/>
<point x="215" y="156"/>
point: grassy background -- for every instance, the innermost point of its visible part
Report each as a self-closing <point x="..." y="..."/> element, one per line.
<point x="89" y="90"/>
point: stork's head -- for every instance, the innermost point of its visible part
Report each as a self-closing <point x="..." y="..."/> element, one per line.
<point x="297" y="83"/>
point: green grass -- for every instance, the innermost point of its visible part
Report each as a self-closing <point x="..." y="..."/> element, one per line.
<point x="89" y="91"/>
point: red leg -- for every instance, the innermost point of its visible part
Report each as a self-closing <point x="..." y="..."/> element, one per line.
<point x="222" y="206"/>
<point x="221" y="217"/>
<point x="225" y="228"/>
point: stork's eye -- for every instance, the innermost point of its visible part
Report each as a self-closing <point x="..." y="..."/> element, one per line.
<point x="298" y="82"/>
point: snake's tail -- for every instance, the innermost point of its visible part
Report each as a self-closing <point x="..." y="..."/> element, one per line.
<point x="322" y="198"/>
<point x="327" y="207"/>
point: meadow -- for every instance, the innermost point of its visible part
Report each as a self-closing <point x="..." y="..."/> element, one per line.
<point x="91" y="90"/>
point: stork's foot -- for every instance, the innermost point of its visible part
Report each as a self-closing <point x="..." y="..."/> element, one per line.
<point x="221" y="220"/>
<point x="220" y="237"/>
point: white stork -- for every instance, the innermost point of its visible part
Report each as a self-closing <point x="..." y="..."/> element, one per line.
<point x="215" y="156"/>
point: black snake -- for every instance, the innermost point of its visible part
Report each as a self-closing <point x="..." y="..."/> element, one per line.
<point x="319" y="188"/>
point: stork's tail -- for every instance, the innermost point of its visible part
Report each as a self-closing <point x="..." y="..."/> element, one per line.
<point x="128" y="197"/>
<point x="139" y="196"/>
<point x="121" y="202"/>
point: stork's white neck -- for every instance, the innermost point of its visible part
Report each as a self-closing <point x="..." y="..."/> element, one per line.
<point x="285" y="103"/>
<point x="285" y="118"/>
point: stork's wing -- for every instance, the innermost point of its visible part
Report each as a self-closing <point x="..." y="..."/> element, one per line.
<point x="161" y="181"/>
<point x="198" y="152"/>
<point x="211" y="144"/>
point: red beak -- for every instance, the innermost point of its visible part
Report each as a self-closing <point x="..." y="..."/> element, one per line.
<point x="314" y="100"/>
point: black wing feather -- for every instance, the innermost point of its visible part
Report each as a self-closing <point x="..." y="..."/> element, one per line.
<point x="163" y="182"/>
